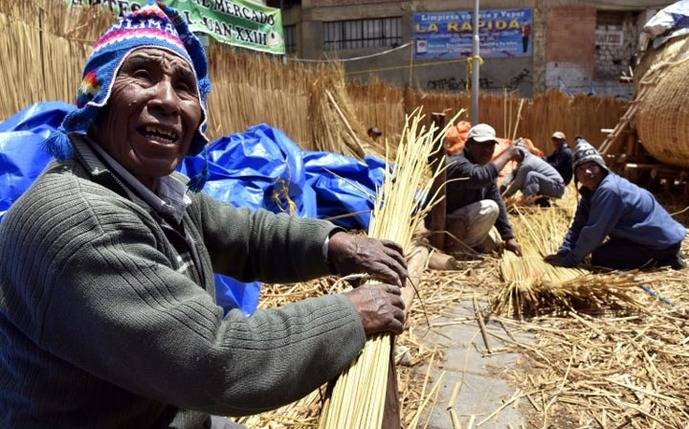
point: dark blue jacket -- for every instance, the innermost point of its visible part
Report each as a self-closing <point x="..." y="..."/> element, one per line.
<point x="561" y="159"/>
<point x="475" y="182"/>
<point x="619" y="209"/>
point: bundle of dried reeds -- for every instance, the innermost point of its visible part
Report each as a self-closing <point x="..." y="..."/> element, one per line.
<point x="437" y="289"/>
<point x="334" y="124"/>
<point x="533" y="286"/>
<point x="357" y="399"/>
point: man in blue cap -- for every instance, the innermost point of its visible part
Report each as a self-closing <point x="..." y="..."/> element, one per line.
<point x="107" y="309"/>
<point x="639" y="231"/>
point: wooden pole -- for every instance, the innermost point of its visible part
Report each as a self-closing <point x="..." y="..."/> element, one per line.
<point x="438" y="214"/>
<point x="418" y="257"/>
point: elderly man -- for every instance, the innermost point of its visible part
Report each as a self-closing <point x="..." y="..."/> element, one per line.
<point x="561" y="157"/>
<point x="535" y="178"/>
<point x="639" y="231"/>
<point x="107" y="311"/>
<point x="474" y="204"/>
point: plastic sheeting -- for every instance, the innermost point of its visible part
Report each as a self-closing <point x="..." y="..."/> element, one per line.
<point x="260" y="168"/>
<point x="670" y="22"/>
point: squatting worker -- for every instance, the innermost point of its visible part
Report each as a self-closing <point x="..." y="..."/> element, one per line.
<point x="107" y="310"/>
<point x="639" y="231"/>
<point x="474" y="204"/>
<point x="533" y="177"/>
<point x="561" y="157"/>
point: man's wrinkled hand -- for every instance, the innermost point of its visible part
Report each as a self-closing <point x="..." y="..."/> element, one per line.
<point x="380" y="307"/>
<point x="512" y="245"/>
<point x="382" y="259"/>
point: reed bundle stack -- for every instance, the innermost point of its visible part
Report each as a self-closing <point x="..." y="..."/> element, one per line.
<point x="661" y="94"/>
<point x="358" y="396"/>
<point x="533" y="286"/>
<point x="334" y="124"/>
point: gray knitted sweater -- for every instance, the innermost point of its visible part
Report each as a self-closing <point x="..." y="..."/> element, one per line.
<point x="98" y="329"/>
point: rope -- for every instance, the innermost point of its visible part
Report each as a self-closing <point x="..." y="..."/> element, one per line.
<point x="363" y="57"/>
<point x="469" y="61"/>
<point x="406" y="66"/>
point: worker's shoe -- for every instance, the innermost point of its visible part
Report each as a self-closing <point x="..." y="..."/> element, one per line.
<point x="677" y="262"/>
<point x="542" y="202"/>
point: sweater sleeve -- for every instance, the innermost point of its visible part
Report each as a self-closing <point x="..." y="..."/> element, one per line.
<point x="514" y="181"/>
<point x="502" y="224"/>
<point x="261" y="245"/>
<point x="592" y="223"/>
<point x="111" y="305"/>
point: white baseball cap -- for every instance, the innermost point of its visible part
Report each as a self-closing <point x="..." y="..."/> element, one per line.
<point x="558" y="135"/>
<point x="482" y="133"/>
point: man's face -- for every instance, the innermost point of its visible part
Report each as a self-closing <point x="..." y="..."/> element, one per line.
<point x="589" y="174"/>
<point x="480" y="152"/>
<point x="152" y="114"/>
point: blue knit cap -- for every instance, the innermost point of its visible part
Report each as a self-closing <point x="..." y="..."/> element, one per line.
<point x="152" y="26"/>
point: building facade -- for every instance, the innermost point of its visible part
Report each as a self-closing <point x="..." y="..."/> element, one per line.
<point x="527" y="45"/>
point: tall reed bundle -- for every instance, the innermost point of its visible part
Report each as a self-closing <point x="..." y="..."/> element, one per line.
<point x="334" y="124"/>
<point x="357" y="399"/>
<point x="533" y="286"/>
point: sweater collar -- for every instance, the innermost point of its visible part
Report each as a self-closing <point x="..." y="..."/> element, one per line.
<point x="171" y="199"/>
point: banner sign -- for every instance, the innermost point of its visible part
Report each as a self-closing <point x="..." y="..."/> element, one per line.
<point x="448" y="35"/>
<point x="235" y="22"/>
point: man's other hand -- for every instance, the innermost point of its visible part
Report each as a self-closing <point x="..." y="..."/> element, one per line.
<point x="512" y="245"/>
<point x="382" y="259"/>
<point x="380" y="307"/>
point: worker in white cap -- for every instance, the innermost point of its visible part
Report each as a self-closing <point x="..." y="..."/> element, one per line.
<point x="474" y="204"/>
<point x="561" y="157"/>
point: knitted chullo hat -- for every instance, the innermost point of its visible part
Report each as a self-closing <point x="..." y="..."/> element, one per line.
<point x="153" y="26"/>
<point x="584" y="152"/>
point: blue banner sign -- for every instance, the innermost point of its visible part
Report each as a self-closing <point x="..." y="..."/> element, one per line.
<point x="448" y="35"/>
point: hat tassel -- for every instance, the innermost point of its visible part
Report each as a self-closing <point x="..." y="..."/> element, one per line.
<point x="59" y="145"/>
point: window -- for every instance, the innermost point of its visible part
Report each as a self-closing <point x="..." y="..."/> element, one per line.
<point x="362" y="33"/>
<point x="290" y="41"/>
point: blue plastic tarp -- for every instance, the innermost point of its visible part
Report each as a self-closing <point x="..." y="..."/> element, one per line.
<point x="260" y="168"/>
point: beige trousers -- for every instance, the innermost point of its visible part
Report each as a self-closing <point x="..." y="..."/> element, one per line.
<point x="472" y="225"/>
